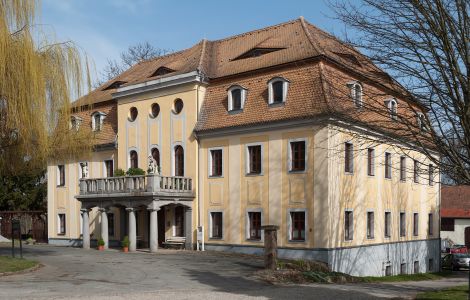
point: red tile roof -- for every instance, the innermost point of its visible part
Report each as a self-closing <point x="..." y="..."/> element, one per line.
<point x="455" y="201"/>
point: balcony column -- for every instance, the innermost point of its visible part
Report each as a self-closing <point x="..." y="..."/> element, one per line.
<point x="132" y="230"/>
<point x="188" y="230"/>
<point x="104" y="227"/>
<point x="85" y="229"/>
<point x="153" y="229"/>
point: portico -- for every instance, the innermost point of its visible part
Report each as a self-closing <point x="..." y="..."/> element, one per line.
<point x="138" y="195"/>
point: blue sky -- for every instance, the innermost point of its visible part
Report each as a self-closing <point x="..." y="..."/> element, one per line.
<point x="104" y="28"/>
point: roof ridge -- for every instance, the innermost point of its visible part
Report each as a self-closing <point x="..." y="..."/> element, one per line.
<point x="256" y="30"/>
<point x="203" y="52"/>
<point x="309" y="36"/>
<point x="167" y="55"/>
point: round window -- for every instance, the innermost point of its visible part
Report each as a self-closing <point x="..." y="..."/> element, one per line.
<point x="154" y="110"/>
<point x="133" y="114"/>
<point x="178" y="106"/>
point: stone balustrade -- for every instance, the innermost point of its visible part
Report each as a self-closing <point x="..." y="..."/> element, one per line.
<point x="135" y="184"/>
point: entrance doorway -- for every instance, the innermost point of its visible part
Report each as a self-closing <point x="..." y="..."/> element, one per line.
<point x="179" y="221"/>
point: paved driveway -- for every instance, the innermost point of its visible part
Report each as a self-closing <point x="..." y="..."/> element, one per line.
<point x="76" y="273"/>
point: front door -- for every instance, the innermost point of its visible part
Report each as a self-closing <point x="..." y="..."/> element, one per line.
<point x="179" y="221"/>
<point x="161" y="226"/>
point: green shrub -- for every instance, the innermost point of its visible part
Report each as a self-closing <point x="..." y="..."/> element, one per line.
<point x="125" y="242"/>
<point x="135" y="172"/>
<point x="119" y="173"/>
<point x="101" y="242"/>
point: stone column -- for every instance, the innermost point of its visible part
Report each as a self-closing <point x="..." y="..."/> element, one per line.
<point x="132" y="230"/>
<point x="188" y="230"/>
<point x="153" y="229"/>
<point x="85" y="229"/>
<point x="104" y="227"/>
<point x="270" y="246"/>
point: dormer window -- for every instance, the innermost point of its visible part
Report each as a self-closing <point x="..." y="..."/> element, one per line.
<point x="392" y="109"/>
<point x="97" y="120"/>
<point x="75" y="122"/>
<point x="236" y="98"/>
<point x="116" y="84"/>
<point x="162" y="71"/>
<point x="277" y="88"/>
<point x="356" y="94"/>
<point x="421" y="121"/>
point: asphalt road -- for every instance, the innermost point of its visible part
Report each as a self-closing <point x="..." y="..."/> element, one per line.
<point x="71" y="273"/>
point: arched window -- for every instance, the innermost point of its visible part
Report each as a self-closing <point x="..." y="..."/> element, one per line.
<point x="133" y="112"/>
<point x="97" y="120"/>
<point x="392" y="109"/>
<point x="356" y="94"/>
<point x="178" y="106"/>
<point x="277" y="90"/>
<point x="154" y="110"/>
<point x="156" y="156"/>
<point x="421" y="121"/>
<point x="134" y="160"/>
<point x="236" y="98"/>
<point x="179" y="161"/>
<point x="75" y="122"/>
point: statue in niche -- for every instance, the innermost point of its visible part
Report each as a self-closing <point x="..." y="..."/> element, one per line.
<point x="152" y="168"/>
<point x="84" y="169"/>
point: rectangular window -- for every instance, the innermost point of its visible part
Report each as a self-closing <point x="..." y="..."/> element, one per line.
<point x="430" y="265"/>
<point x="297" y="156"/>
<point x="431" y="174"/>
<point x="388" y="223"/>
<point x="415" y="224"/>
<point x="415" y="171"/>
<point x="402" y="224"/>
<point x="254" y="159"/>
<point x="388" y="165"/>
<point x="110" y="224"/>
<point x="403" y="268"/>
<point x="61" y="227"/>
<point x="370" y="224"/>
<point x="297" y="225"/>
<point x="447" y="224"/>
<point x="216" y="225"/>
<point x="216" y="162"/>
<point x="348" y="225"/>
<point x="388" y="270"/>
<point x="109" y="164"/>
<point x="403" y="168"/>
<point x="370" y="162"/>
<point x="416" y="267"/>
<point x="348" y="157"/>
<point x="60" y="175"/>
<point x="430" y="224"/>
<point x="255" y="225"/>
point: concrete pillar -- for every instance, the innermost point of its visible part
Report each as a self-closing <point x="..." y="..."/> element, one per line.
<point x="153" y="229"/>
<point x="188" y="230"/>
<point x="270" y="246"/>
<point x="85" y="229"/>
<point x="132" y="230"/>
<point x="104" y="227"/>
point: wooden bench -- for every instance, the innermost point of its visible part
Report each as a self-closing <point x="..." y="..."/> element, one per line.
<point x="175" y="242"/>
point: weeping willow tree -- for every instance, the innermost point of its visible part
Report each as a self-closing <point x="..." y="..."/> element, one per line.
<point x="38" y="78"/>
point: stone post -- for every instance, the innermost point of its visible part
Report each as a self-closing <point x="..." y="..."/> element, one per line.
<point x="85" y="229"/>
<point x="188" y="228"/>
<point x="104" y="227"/>
<point x="132" y="230"/>
<point x="153" y="229"/>
<point x="270" y="246"/>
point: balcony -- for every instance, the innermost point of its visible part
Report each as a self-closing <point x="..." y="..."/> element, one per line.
<point x="128" y="186"/>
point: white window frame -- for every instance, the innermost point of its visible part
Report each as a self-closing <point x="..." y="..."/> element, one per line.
<point x="247" y="159"/>
<point x="58" y="223"/>
<point x="289" y="225"/>
<point x="373" y="224"/>
<point x="93" y="122"/>
<point x="358" y="103"/>
<point x="209" y="161"/>
<point x="210" y="223"/>
<point x="58" y="175"/>
<point x="390" y="104"/>
<point x="420" y="120"/>
<point x="405" y="225"/>
<point x="247" y="224"/>
<point x="111" y="159"/>
<point x="129" y="156"/>
<point x="385" y="225"/>
<point x="78" y="122"/>
<point x="285" y="87"/>
<point x="173" y="158"/>
<point x="230" y="100"/>
<point x="289" y="154"/>
<point x="350" y="210"/>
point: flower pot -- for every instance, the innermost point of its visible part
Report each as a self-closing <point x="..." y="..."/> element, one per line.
<point x="101" y="248"/>
<point x="125" y="249"/>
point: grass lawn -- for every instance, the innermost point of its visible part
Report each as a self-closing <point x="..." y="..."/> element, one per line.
<point x="409" y="277"/>
<point x="9" y="264"/>
<point x="455" y="293"/>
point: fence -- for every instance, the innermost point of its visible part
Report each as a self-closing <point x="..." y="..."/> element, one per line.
<point x="33" y="223"/>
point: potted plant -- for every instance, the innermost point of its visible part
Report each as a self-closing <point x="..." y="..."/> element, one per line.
<point x="101" y="244"/>
<point x="135" y="172"/>
<point x="119" y="173"/>
<point x="125" y="244"/>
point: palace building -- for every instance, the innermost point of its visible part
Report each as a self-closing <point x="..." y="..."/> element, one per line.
<point x="247" y="131"/>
